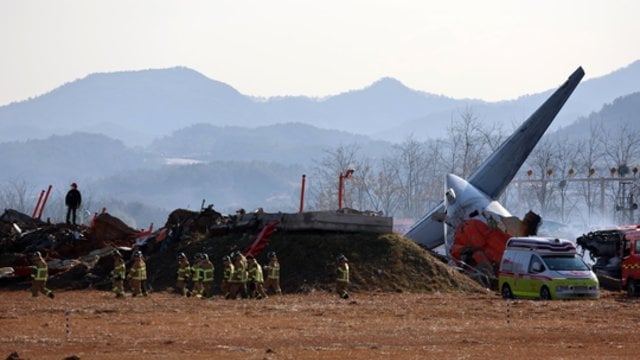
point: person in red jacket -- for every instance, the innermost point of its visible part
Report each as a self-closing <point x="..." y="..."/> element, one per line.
<point x="73" y="201"/>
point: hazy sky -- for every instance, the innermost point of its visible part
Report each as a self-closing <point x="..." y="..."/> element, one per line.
<point x="482" y="49"/>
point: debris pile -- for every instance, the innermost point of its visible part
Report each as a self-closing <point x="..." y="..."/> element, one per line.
<point x="81" y="256"/>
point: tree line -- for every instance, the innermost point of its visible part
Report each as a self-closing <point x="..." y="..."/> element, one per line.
<point x="571" y="180"/>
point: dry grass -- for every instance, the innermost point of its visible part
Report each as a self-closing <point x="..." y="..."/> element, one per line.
<point x="316" y="325"/>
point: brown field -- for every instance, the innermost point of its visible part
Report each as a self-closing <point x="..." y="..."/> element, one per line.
<point x="317" y="326"/>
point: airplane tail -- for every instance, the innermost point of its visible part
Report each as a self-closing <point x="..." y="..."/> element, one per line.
<point x="495" y="173"/>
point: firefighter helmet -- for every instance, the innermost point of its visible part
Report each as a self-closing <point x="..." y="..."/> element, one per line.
<point x="204" y="256"/>
<point x="271" y="254"/>
<point x="182" y="256"/>
<point x="137" y="254"/>
<point x="226" y="258"/>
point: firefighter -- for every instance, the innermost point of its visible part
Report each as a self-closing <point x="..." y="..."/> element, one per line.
<point x="273" y="273"/>
<point x="118" y="274"/>
<point x="256" y="279"/>
<point x="237" y="277"/>
<point x="245" y="275"/>
<point x="184" y="273"/>
<point x="196" y="275"/>
<point x="206" y="269"/>
<point x="226" y="277"/>
<point x="137" y="274"/>
<point x="39" y="276"/>
<point x="342" y="280"/>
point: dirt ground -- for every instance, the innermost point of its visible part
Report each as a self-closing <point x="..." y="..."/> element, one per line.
<point x="316" y="326"/>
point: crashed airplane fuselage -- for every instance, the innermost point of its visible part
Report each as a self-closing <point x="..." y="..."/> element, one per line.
<point x="469" y="208"/>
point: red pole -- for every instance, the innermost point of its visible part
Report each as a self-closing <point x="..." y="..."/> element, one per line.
<point x="302" y="193"/>
<point x="340" y="191"/>
<point x="35" y="211"/>
<point x="44" y="202"/>
<point x="150" y="228"/>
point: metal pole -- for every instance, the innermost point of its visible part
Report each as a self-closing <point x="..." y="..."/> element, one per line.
<point x="340" y="191"/>
<point x="35" y="211"/>
<point x="304" y="177"/>
<point x="44" y="202"/>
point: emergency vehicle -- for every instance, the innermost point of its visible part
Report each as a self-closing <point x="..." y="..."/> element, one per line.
<point x="545" y="268"/>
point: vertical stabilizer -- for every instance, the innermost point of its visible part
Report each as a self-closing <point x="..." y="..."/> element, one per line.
<point x="495" y="173"/>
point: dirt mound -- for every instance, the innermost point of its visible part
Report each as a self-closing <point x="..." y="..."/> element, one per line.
<point x="385" y="262"/>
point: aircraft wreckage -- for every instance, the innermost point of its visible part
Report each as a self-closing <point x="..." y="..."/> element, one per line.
<point x="469" y="222"/>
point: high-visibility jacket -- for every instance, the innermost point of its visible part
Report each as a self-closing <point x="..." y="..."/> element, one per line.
<point x="40" y="271"/>
<point x="244" y="273"/>
<point x="274" y="271"/>
<point x="138" y="271"/>
<point x="119" y="270"/>
<point x="238" y="274"/>
<point x="343" y="273"/>
<point x="184" y="271"/>
<point x="228" y="271"/>
<point x="206" y="270"/>
<point x="255" y="273"/>
<point x="197" y="272"/>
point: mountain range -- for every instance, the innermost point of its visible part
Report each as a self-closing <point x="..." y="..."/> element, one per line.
<point x="120" y="135"/>
<point x="138" y="107"/>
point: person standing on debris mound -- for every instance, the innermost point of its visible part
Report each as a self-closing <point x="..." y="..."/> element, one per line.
<point x="206" y="268"/>
<point x="39" y="276"/>
<point x="342" y="281"/>
<point x="118" y="274"/>
<point x="196" y="275"/>
<point x="73" y="201"/>
<point x="256" y="279"/>
<point x="184" y="273"/>
<point x="226" y="277"/>
<point x="137" y="274"/>
<point x="273" y="273"/>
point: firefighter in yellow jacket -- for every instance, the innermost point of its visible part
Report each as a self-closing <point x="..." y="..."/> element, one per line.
<point x="184" y="273"/>
<point x="118" y="274"/>
<point x="238" y="276"/>
<point x="206" y="269"/>
<point x="342" y="280"/>
<point x="226" y="277"/>
<point x="39" y="276"/>
<point x="272" y="271"/>
<point x="137" y="274"/>
<point x="256" y="279"/>
<point x="196" y="275"/>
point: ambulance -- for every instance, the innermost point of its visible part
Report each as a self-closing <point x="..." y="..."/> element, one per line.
<point x="545" y="268"/>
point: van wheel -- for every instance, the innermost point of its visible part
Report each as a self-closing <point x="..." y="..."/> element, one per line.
<point x="632" y="288"/>
<point x="545" y="294"/>
<point x="506" y="292"/>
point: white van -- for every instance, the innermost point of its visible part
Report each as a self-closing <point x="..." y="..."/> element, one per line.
<point x="545" y="268"/>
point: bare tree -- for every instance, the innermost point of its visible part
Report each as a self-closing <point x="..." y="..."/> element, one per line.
<point x="541" y="160"/>
<point x="589" y="154"/>
<point x="15" y="196"/>
<point x="467" y="140"/>
<point x="323" y="189"/>
<point x="411" y="173"/>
